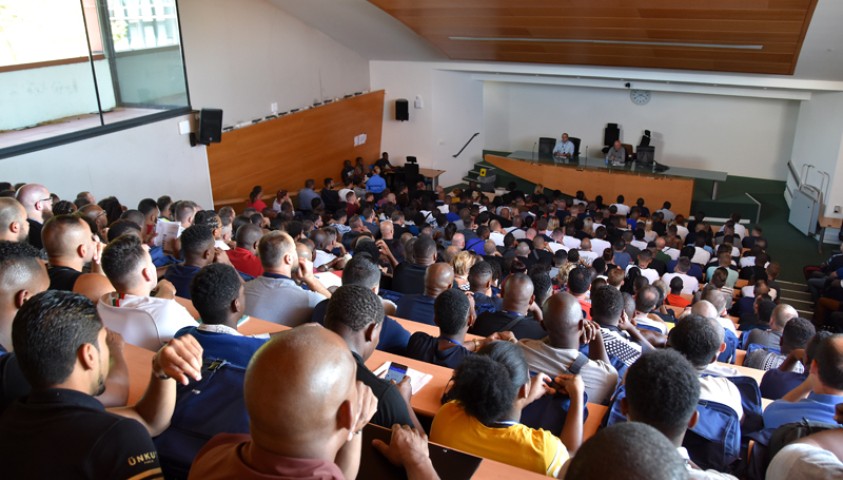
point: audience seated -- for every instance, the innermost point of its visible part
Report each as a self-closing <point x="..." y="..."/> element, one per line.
<point x="36" y="201"/>
<point x="306" y="423"/>
<point x="621" y="338"/>
<point x="71" y="246"/>
<point x="129" y="268"/>
<point x="638" y="450"/>
<point x="14" y="226"/>
<point x="197" y="249"/>
<point x="699" y="340"/>
<point x="355" y="313"/>
<point x="242" y="257"/>
<point x="219" y="297"/>
<point x="438" y="278"/>
<point x="274" y="296"/>
<point x="409" y="275"/>
<point x="66" y="371"/>
<point x="796" y="335"/>
<point x="817" y="396"/>
<point x="514" y="316"/>
<point x="777" y="382"/>
<point x="814" y="457"/>
<point x="489" y="392"/>
<point x="559" y="352"/>
<point x="662" y="390"/>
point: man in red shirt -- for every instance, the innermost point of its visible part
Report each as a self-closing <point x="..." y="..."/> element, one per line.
<point x="243" y="256"/>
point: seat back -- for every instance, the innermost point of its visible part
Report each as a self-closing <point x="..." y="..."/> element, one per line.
<point x="576" y="141"/>
<point x="546" y="146"/>
<point x="135" y="325"/>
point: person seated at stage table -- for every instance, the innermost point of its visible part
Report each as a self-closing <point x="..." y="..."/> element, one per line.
<point x="306" y="424"/>
<point x="63" y="350"/>
<point x="383" y="162"/>
<point x="482" y="418"/>
<point x="564" y="148"/>
<point x="616" y="154"/>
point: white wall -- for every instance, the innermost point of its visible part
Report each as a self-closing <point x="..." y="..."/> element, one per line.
<point x="819" y="141"/>
<point x="452" y="113"/>
<point x="146" y="161"/>
<point x="742" y="136"/>
<point x="243" y="55"/>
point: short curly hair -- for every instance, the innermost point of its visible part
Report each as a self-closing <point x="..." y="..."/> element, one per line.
<point x="121" y="260"/>
<point x="662" y="390"/>
<point x="213" y="289"/>
<point x="353" y="306"/>
<point x="486" y="385"/>
<point x="696" y="338"/>
<point x="196" y="239"/>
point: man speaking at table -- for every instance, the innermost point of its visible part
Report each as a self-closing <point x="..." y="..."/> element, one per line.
<point x="564" y="148"/>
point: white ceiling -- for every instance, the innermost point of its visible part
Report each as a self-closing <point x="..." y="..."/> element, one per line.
<point x="376" y="35"/>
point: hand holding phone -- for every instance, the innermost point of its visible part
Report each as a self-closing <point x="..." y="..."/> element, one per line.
<point x="396" y="372"/>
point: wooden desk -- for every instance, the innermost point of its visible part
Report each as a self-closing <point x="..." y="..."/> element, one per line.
<point x="431" y="330"/>
<point x="745" y="371"/>
<point x="432" y="174"/>
<point x="596" y="413"/>
<point x="492" y="470"/>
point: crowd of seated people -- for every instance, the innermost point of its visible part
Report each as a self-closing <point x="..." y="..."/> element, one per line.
<point x="537" y="298"/>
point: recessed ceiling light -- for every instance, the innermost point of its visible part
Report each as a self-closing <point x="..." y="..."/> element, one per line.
<point x="608" y="42"/>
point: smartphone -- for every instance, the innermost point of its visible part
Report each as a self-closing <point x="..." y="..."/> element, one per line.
<point x="396" y="372"/>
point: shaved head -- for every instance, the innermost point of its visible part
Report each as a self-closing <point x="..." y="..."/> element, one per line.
<point x="13" y="224"/>
<point x="438" y="278"/>
<point x="562" y="317"/>
<point x="517" y="293"/>
<point x="36" y="200"/>
<point x="704" y="308"/>
<point x="299" y="409"/>
<point x="248" y="236"/>
<point x="782" y="314"/>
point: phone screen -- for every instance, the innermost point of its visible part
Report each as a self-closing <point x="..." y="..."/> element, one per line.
<point x="396" y="372"/>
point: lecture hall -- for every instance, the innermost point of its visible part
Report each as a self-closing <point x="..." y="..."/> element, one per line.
<point x="375" y="239"/>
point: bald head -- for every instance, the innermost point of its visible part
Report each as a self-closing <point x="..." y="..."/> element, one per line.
<point x="782" y="314"/>
<point x="704" y="308"/>
<point x="13" y="224"/>
<point x="301" y="413"/>
<point x="36" y="200"/>
<point x="458" y="240"/>
<point x="22" y="275"/>
<point x="438" y="278"/>
<point x="562" y="318"/>
<point x="96" y="215"/>
<point x="518" y="293"/>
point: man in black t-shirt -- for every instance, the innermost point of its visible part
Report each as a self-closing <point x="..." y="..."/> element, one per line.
<point x="518" y="296"/>
<point x="355" y="313"/>
<point x="60" y="430"/>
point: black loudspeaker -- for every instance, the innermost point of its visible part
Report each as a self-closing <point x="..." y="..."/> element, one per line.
<point x="210" y="126"/>
<point x="611" y="134"/>
<point x="402" y="110"/>
<point x="411" y="159"/>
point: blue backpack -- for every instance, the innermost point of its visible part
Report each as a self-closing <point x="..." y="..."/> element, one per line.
<point x="732" y="342"/>
<point x="753" y="420"/>
<point x="203" y="409"/>
<point x="715" y="441"/>
<point x="754" y="346"/>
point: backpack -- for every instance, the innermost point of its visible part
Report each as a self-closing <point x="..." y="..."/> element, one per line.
<point x="550" y="411"/>
<point x="203" y="409"/>
<point x="731" y="341"/>
<point x="715" y="441"/>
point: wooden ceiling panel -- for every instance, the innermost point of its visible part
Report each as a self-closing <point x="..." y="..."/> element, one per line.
<point x="749" y="36"/>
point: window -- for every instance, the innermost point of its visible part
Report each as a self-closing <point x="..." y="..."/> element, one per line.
<point x="79" y="66"/>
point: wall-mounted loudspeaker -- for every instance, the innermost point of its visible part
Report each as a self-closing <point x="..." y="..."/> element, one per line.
<point x="210" y="126"/>
<point x="402" y="110"/>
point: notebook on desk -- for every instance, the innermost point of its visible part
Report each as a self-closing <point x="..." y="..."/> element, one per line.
<point x="449" y="464"/>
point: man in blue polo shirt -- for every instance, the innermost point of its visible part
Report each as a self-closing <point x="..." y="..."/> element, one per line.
<point x="819" y="393"/>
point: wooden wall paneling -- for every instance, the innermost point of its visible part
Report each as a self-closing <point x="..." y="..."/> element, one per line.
<point x="284" y="152"/>
<point x="778" y="26"/>
<point x="655" y="190"/>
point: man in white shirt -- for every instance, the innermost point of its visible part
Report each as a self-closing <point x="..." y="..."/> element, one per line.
<point x="622" y="208"/>
<point x="599" y="244"/>
<point x="128" y="266"/>
<point x="586" y="254"/>
<point x="645" y="257"/>
<point x="740" y="230"/>
<point x="681" y="270"/>
<point x="564" y="148"/>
